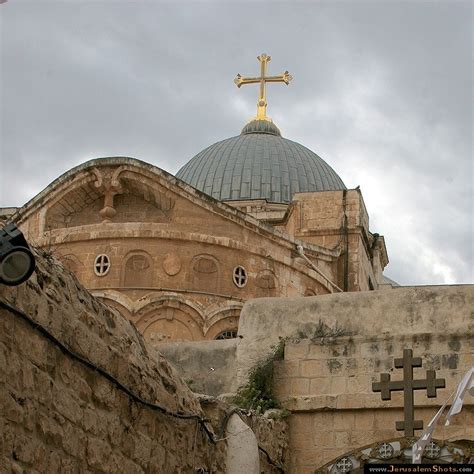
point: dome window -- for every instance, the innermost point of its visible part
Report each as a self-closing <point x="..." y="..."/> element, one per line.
<point x="101" y="265"/>
<point x="240" y="276"/>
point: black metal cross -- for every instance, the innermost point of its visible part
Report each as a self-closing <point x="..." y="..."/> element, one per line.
<point x="408" y="386"/>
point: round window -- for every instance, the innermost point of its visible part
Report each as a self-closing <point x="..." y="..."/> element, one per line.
<point x="344" y="465"/>
<point x="240" y="276"/>
<point x="101" y="265"/>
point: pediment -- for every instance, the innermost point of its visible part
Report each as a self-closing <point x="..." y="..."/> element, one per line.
<point x="125" y="190"/>
<point x="120" y="190"/>
<point x="96" y="201"/>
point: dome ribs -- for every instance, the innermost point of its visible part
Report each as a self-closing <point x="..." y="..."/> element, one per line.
<point x="259" y="165"/>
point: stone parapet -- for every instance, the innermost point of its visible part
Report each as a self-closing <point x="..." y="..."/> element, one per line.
<point x="407" y="311"/>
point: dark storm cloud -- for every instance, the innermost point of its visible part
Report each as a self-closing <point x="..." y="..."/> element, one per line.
<point x="381" y="90"/>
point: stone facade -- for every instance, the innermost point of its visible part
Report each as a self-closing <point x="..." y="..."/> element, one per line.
<point x="180" y="264"/>
<point x="63" y="415"/>
<point x="82" y="394"/>
<point x="339" y="344"/>
<point x="327" y="384"/>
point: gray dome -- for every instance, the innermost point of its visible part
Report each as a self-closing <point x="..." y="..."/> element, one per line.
<point x="258" y="164"/>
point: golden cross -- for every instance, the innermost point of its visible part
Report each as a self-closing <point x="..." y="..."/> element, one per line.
<point x="263" y="79"/>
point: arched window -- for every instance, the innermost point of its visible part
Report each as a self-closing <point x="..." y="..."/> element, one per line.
<point x="227" y="334"/>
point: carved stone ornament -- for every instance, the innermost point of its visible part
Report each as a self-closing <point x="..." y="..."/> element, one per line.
<point x="408" y="385"/>
<point x="172" y="264"/>
<point x="108" y="182"/>
<point x="397" y="450"/>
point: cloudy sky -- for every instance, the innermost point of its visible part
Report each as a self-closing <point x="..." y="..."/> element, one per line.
<point x="382" y="91"/>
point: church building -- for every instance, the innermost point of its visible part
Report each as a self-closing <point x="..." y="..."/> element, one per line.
<point x="254" y="215"/>
<point x="258" y="241"/>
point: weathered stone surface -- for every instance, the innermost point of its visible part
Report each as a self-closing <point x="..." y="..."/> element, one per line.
<point x="59" y="415"/>
<point x="242" y="451"/>
<point x="403" y="311"/>
<point x="326" y="381"/>
<point x="207" y="366"/>
<point x="271" y="431"/>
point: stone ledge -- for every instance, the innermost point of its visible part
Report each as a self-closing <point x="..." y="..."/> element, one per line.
<point x="346" y="402"/>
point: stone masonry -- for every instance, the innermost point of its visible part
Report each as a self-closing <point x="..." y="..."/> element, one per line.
<point x="61" y="415"/>
<point x="338" y="345"/>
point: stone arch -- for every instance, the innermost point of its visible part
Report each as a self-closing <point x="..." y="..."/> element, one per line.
<point x="169" y="319"/>
<point x="141" y="200"/>
<point x="137" y="270"/>
<point x="266" y="283"/>
<point x="78" y="205"/>
<point x="117" y="301"/>
<point x="222" y="320"/>
<point x="204" y="273"/>
<point x="155" y="300"/>
<point x="310" y="292"/>
<point x="396" y="450"/>
<point x="72" y="263"/>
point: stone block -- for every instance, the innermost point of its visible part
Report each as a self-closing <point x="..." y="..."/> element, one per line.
<point x="142" y="452"/>
<point x="338" y="385"/>
<point x="299" y="387"/>
<point x="93" y="422"/>
<point x="75" y="441"/>
<point x="50" y="430"/>
<point x="301" y="423"/>
<point x="3" y="359"/>
<point x="282" y="389"/>
<point x="364" y="420"/>
<point x="295" y="351"/>
<point x="342" y="440"/>
<point x="24" y="449"/>
<point x="104" y="393"/>
<point x="318" y="351"/>
<point x="54" y="462"/>
<point x="311" y="368"/>
<point x="386" y="419"/>
<point x="98" y="453"/>
<point x="320" y="386"/>
<point x="66" y="405"/>
<point x="333" y="366"/>
<point x="286" y="369"/>
<point x="324" y="439"/>
<point x="12" y="406"/>
<point x="359" y="384"/>
<point x="343" y="420"/>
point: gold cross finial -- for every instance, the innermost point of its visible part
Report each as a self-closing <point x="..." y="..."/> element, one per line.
<point x="263" y="79"/>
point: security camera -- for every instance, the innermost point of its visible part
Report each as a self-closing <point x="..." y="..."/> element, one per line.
<point x="17" y="263"/>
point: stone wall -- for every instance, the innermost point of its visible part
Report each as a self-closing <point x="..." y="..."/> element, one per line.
<point x="338" y="345"/>
<point x="61" y="415"/>
<point x="208" y="367"/>
<point x="401" y="311"/>
<point x="339" y="219"/>
<point x="86" y="394"/>
<point x="327" y="385"/>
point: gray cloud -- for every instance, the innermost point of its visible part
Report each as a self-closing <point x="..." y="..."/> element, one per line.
<point x="381" y="90"/>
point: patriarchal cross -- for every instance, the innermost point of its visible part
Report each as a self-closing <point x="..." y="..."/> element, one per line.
<point x="408" y="386"/>
<point x="263" y="79"/>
